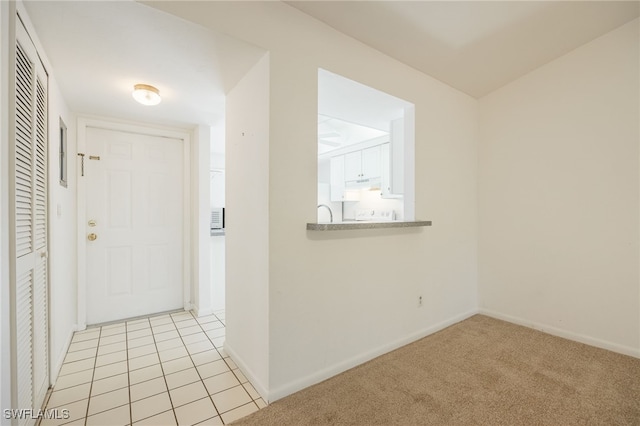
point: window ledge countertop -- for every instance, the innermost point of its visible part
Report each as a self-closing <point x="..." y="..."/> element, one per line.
<point x="349" y="225"/>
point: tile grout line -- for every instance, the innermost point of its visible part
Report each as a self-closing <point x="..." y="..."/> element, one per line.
<point x="126" y="348"/>
<point x="189" y="315"/>
<point x="196" y="367"/>
<point x="224" y="323"/>
<point x="93" y="374"/>
<point x="164" y="377"/>
<point x="228" y="366"/>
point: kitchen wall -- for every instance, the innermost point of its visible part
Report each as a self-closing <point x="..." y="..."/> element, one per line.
<point x="217" y="166"/>
<point x="201" y="290"/>
<point x="217" y="199"/>
<point x="335" y="299"/>
<point x="216" y="189"/>
<point x="372" y="200"/>
<point x="558" y="196"/>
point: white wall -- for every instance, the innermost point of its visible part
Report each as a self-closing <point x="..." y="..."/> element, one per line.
<point x="216" y="188"/>
<point x="217" y="262"/>
<point x="201" y="219"/>
<point x="63" y="256"/>
<point x="247" y="225"/>
<point x="559" y="190"/>
<point x="62" y="250"/>
<point x="217" y="162"/>
<point x="339" y="298"/>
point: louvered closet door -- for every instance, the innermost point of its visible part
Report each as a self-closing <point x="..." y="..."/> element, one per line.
<point x="30" y="224"/>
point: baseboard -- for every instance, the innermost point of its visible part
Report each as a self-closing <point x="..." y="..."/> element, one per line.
<point x="57" y="365"/>
<point x="566" y="334"/>
<point x="333" y="370"/>
<point x="203" y="312"/>
<point x="249" y="374"/>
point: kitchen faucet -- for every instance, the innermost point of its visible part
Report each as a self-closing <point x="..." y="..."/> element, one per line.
<point x="328" y="208"/>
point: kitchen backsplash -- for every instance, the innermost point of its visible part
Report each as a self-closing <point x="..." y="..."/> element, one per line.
<point x="372" y="200"/>
<point x="368" y="200"/>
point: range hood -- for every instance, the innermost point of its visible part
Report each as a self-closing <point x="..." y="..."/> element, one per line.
<point x="364" y="184"/>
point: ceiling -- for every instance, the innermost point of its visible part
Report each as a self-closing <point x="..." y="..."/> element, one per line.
<point x="100" y="49"/>
<point x="350" y="112"/>
<point x="474" y="46"/>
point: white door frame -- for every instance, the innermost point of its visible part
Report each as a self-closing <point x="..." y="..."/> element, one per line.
<point x="110" y="124"/>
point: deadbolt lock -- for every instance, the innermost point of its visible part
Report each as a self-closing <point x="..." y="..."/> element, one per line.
<point x="92" y="237"/>
<point x="92" y="222"/>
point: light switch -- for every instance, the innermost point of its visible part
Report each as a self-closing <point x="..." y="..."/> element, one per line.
<point x="59" y="210"/>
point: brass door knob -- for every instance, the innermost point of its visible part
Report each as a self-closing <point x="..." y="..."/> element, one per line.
<point x="92" y="237"/>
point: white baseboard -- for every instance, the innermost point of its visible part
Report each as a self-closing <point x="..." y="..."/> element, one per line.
<point x="566" y="334"/>
<point x="203" y="312"/>
<point x="333" y="370"/>
<point x="249" y="374"/>
<point x="59" y="358"/>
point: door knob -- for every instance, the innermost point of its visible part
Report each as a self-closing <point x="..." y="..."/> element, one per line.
<point x="92" y="237"/>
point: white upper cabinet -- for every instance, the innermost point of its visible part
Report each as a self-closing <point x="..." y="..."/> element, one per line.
<point x="363" y="165"/>
<point x="371" y="162"/>
<point x="353" y="166"/>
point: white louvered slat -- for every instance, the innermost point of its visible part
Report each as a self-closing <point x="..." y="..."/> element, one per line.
<point x="40" y="355"/>
<point x="24" y="222"/>
<point x="40" y="167"/>
<point x="24" y="157"/>
<point x="30" y="219"/>
<point x="24" y="330"/>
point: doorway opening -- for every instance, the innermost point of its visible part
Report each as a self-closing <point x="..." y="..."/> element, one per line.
<point x="365" y="152"/>
<point x="133" y="221"/>
<point x="217" y="237"/>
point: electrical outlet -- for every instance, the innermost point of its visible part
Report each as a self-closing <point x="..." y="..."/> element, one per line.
<point x="419" y="301"/>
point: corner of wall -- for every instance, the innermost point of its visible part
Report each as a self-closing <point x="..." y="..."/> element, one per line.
<point x="559" y="219"/>
<point x="253" y="378"/>
<point x="566" y="334"/>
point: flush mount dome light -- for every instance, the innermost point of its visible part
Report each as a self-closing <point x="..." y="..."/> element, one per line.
<point x="146" y="95"/>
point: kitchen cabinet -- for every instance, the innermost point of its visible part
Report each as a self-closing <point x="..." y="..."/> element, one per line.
<point x="363" y="164"/>
<point x="385" y="179"/>
<point x="387" y="189"/>
<point x="392" y="179"/>
<point x="396" y="162"/>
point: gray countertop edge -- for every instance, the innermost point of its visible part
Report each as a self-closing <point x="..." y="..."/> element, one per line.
<point x="344" y="226"/>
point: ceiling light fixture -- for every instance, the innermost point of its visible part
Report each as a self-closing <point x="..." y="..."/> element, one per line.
<point x="146" y="95"/>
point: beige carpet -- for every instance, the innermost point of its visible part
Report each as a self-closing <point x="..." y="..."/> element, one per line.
<point x="481" y="371"/>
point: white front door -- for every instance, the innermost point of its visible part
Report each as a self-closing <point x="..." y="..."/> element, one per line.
<point x="134" y="224"/>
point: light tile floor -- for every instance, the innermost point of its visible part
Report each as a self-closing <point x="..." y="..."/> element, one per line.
<point x="161" y="370"/>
